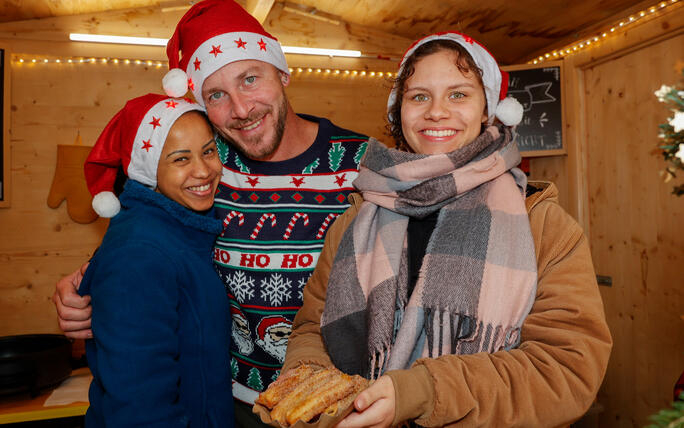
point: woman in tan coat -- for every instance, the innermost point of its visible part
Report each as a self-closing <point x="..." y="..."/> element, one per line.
<point x="469" y="295"/>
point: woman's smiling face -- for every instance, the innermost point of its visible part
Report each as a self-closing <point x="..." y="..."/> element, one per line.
<point x="189" y="168"/>
<point x="442" y="108"/>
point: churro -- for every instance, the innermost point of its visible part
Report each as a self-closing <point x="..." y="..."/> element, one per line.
<point x="304" y="393"/>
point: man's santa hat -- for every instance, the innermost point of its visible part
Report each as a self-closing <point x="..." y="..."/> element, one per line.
<point x="495" y="81"/>
<point x="132" y="140"/>
<point x="267" y="323"/>
<point x="211" y="34"/>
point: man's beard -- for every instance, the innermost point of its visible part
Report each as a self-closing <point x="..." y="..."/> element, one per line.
<point x="250" y="150"/>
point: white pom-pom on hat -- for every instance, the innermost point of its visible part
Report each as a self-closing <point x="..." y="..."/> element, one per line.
<point x="106" y="204"/>
<point x="175" y="83"/>
<point x="509" y="111"/>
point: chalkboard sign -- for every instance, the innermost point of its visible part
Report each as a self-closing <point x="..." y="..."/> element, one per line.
<point x="538" y="88"/>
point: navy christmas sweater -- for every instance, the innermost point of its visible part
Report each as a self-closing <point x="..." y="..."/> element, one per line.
<point x="275" y="217"/>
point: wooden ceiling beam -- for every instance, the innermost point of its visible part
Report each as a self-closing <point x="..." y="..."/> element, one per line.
<point x="259" y="8"/>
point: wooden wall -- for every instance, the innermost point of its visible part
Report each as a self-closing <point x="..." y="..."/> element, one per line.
<point x="611" y="185"/>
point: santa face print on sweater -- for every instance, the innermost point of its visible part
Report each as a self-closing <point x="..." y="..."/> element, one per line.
<point x="274" y="333"/>
<point x="240" y="332"/>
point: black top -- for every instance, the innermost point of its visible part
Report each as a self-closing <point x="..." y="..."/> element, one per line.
<point x="419" y="232"/>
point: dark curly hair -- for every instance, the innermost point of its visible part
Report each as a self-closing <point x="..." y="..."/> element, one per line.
<point x="464" y="62"/>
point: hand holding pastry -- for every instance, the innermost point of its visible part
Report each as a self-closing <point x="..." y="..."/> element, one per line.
<point x="306" y="392"/>
<point x="375" y="406"/>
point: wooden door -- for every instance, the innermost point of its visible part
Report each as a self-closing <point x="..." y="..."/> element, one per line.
<point x="637" y="230"/>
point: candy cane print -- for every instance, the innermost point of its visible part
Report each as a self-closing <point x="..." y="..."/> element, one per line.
<point x="324" y="226"/>
<point x="260" y="224"/>
<point x="229" y="217"/>
<point x="293" y="220"/>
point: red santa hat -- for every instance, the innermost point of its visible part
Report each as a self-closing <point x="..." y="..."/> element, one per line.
<point x="132" y="140"/>
<point x="211" y="34"/>
<point x="495" y="81"/>
<point x="266" y="323"/>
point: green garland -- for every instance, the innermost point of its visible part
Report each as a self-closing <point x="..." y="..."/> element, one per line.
<point x="669" y="418"/>
<point x="672" y="133"/>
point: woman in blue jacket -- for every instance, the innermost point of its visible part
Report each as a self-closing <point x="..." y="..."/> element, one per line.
<point x="159" y="355"/>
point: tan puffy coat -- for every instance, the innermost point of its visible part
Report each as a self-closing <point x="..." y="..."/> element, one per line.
<point x="550" y="380"/>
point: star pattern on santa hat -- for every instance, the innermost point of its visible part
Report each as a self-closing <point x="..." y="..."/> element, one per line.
<point x="468" y="39"/>
<point x="215" y="50"/>
<point x="191" y="85"/>
<point x="240" y="43"/>
<point x="197" y="64"/>
<point x="155" y="122"/>
<point x="171" y="104"/>
<point x="147" y="146"/>
<point x="262" y="45"/>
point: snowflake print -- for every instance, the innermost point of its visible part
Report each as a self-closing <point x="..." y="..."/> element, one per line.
<point x="240" y="285"/>
<point x="300" y="287"/>
<point x="276" y="289"/>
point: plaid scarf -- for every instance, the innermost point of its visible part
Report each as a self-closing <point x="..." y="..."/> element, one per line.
<point x="478" y="278"/>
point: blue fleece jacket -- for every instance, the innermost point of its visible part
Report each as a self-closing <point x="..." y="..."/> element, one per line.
<point x="160" y="320"/>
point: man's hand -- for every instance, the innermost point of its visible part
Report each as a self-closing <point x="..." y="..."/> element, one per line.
<point x="375" y="407"/>
<point x="73" y="311"/>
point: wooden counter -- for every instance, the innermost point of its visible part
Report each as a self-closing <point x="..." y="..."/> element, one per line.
<point x="23" y="408"/>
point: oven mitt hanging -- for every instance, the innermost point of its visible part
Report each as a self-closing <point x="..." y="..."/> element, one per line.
<point x="69" y="183"/>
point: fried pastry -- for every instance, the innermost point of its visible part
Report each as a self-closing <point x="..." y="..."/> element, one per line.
<point x="359" y="384"/>
<point x="284" y="385"/>
<point x="331" y="392"/>
<point x="304" y="393"/>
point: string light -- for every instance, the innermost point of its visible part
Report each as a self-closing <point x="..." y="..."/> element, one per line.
<point x="594" y="39"/>
<point x="158" y="64"/>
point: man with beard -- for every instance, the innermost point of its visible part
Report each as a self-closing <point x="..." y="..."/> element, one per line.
<point x="285" y="178"/>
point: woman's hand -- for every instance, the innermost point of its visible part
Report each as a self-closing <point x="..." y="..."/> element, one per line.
<point x="375" y="407"/>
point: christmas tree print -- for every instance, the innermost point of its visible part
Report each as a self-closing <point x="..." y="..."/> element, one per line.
<point x="223" y="150"/>
<point x="335" y="155"/>
<point x="234" y="367"/>
<point x="275" y="375"/>
<point x="241" y="165"/>
<point x="360" y="152"/>
<point x="240" y="285"/>
<point x="254" y="380"/>
<point x="310" y="167"/>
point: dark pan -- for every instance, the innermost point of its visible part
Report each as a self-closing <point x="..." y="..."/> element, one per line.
<point x="33" y="362"/>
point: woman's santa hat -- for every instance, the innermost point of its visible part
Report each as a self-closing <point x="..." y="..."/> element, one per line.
<point x="508" y="110"/>
<point x="211" y="34"/>
<point x="132" y="140"/>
